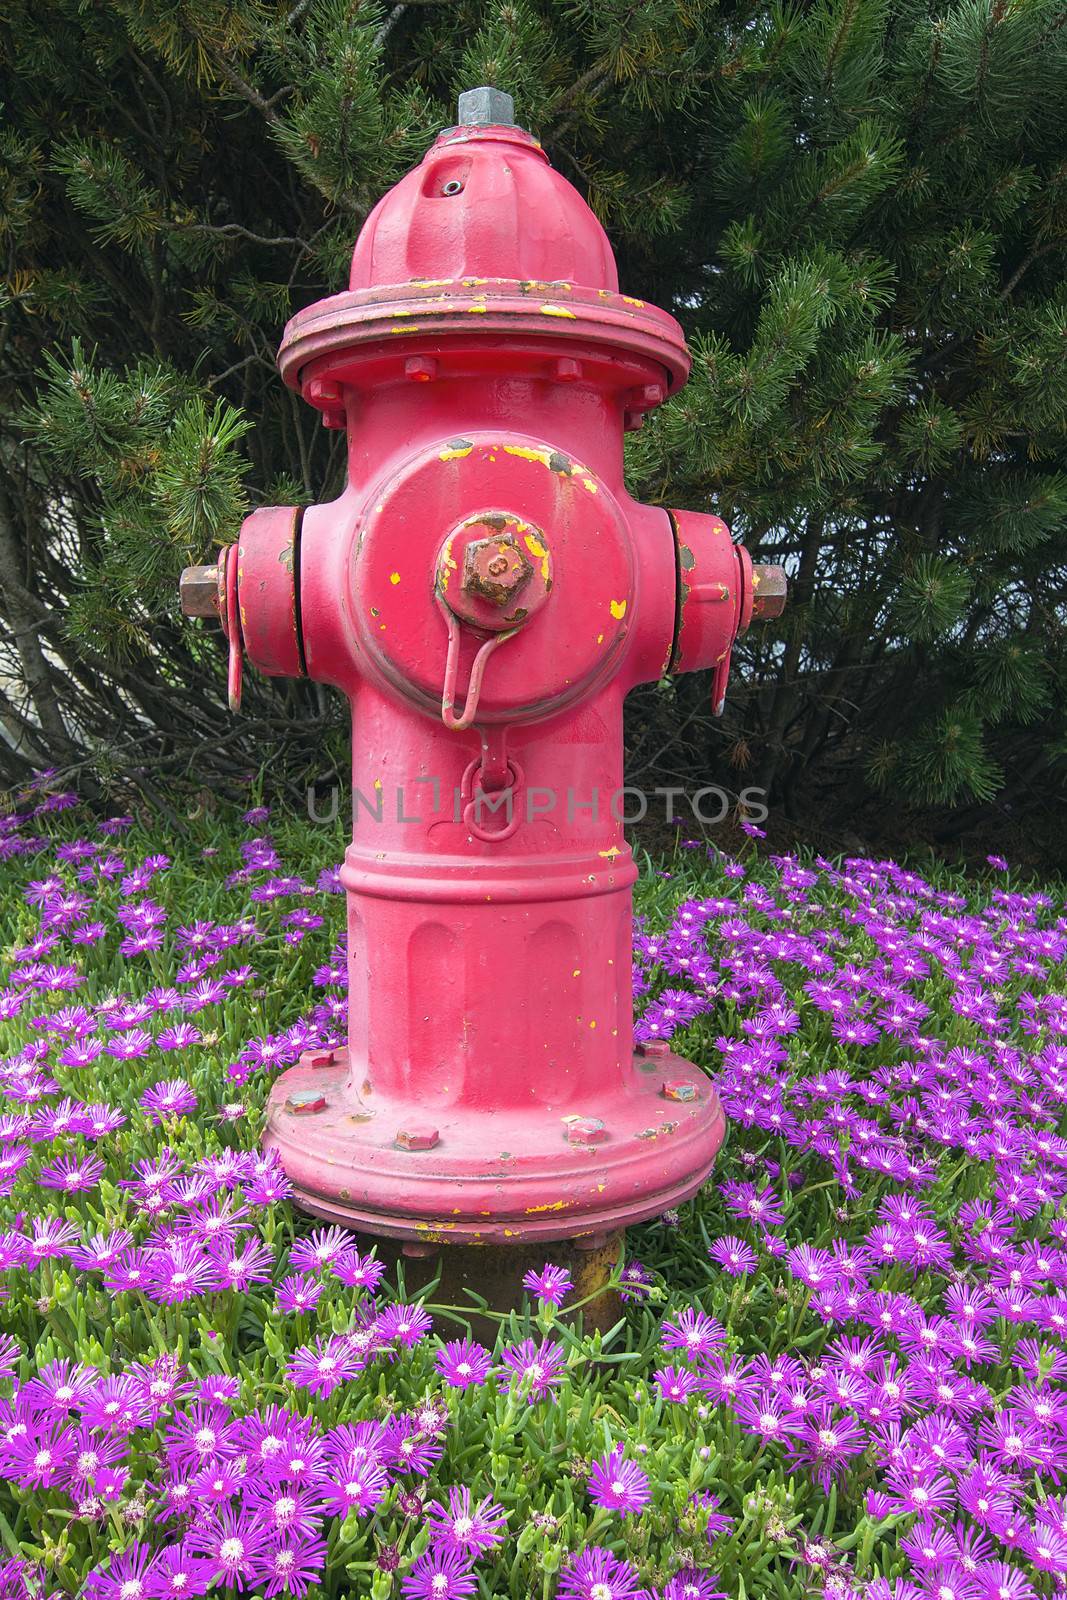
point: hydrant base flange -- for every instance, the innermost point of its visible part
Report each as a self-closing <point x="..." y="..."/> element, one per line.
<point x="452" y="1175"/>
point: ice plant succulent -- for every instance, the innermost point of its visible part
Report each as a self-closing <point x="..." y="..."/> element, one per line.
<point x="869" y="1301"/>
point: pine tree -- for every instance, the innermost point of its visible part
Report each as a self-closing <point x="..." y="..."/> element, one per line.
<point x="857" y="208"/>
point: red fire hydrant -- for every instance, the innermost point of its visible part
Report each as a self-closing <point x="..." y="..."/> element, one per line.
<point x="485" y="592"/>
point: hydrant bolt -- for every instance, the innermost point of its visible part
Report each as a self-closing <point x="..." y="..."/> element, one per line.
<point x="586" y="1130"/>
<point x="769" y="592"/>
<point x="305" y="1102"/>
<point x="679" y="1089"/>
<point x="409" y="1138"/>
<point x="198" y="590"/>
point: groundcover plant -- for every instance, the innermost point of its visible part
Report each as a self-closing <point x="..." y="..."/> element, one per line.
<point x="840" y="1370"/>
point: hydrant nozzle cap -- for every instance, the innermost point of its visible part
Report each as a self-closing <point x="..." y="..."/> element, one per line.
<point x="485" y="107"/>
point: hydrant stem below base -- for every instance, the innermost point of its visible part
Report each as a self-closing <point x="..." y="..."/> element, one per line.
<point x="495" y="1273"/>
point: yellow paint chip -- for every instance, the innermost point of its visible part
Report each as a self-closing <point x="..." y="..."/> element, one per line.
<point x="453" y="452"/>
<point x="394" y="577"/>
<point x="600" y="638"/>
<point x="556" y="311"/>
<point x="618" y="609"/>
<point x="527" y="453"/>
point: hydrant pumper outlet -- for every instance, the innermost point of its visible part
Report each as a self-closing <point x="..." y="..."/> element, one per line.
<point x="485" y="592"/>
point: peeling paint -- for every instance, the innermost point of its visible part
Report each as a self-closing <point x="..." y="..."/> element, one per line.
<point x="556" y="311"/>
<point x="454" y="451"/>
<point x="394" y="577"/>
<point x="618" y="609"/>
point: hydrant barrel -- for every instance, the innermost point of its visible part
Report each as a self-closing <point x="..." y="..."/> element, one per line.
<point x="485" y="592"/>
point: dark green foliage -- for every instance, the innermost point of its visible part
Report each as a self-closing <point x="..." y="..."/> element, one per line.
<point x="858" y="209"/>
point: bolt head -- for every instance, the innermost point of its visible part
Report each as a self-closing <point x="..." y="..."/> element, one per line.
<point x="198" y="590"/>
<point x="420" y="369"/>
<point x="305" y="1102"/>
<point x="769" y="592"/>
<point x="495" y="569"/>
<point x="586" y="1130"/>
<point x="415" y="1138"/>
<point x="316" y="1058"/>
<point x="679" y="1089"/>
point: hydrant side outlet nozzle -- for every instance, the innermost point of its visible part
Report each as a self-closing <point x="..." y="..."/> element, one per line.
<point x="485" y="592"/>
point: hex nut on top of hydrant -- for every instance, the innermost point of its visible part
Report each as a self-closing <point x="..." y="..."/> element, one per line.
<point x="496" y="569"/>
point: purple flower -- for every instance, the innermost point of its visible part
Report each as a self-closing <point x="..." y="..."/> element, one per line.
<point x="357" y="1482"/>
<point x="177" y="1574"/>
<point x="537" y="1368"/>
<point x="676" y="1384"/>
<point x="404" y="1324"/>
<point x="230" y="1543"/>
<point x="733" y="1255"/>
<point x="323" y="1369"/>
<point x="616" y="1484"/>
<point x="298" y="1293"/>
<point x="462" y="1363"/>
<point x="72" y="1174"/>
<point x="321" y="1249"/>
<point x="595" y="1574"/>
<point x="356" y="1271"/>
<point x="461" y="1526"/>
<point x="693" y="1332"/>
<point x="171" y="1097"/>
<point x="128" y="1576"/>
<point x="131" y="1046"/>
<point x="439" y="1575"/>
<point x="691" y="1584"/>
<point x="291" y="1566"/>
<point x="551" y="1283"/>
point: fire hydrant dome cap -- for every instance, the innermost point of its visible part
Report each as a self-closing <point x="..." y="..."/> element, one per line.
<point x="483" y="202"/>
<point x="483" y="244"/>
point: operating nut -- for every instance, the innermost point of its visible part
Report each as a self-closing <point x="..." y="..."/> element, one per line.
<point x="198" y="589"/>
<point x="496" y="569"/>
<point x="769" y="591"/>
